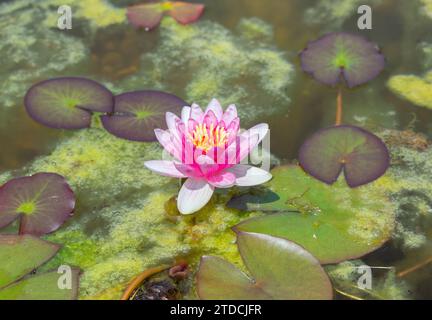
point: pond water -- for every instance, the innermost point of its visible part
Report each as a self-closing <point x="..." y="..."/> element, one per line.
<point x="272" y="86"/>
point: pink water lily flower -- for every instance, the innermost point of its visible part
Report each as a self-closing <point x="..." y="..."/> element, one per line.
<point x="209" y="150"/>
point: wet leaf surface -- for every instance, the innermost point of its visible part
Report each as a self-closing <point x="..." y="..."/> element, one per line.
<point x="67" y="103"/>
<point x="20" y="255"/>
<point x="149" y="15"/>
<point x="361" y="155"/>
<point x="138" y="113"/>
<point x="334" y="223"/>
<point x="279" y="269"/>
<point x="342" y="56"/>
<point x="43" y="202"/>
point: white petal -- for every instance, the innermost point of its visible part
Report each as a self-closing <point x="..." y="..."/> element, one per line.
<point x="171" y="120"/>
<point x="169" y="142"/>
<point x="193" y="195"/>
<point x="165" y="168"/>
<point x="196" y="113"/>
<point x="247" y="176"/>
<point x="230" y="114"/>
<point x="215" y="106"/>
<point x="185" y="114"/>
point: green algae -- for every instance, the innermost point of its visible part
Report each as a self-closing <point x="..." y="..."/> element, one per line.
<point x="417" y="90"/>
<point x="218" y="63"/>
<point x="132" y="236"/>
<point x="26" y="44"/>
<point x="345" y="277"/>
<point x="332" y="14"/>
<point x="408" y="183"/>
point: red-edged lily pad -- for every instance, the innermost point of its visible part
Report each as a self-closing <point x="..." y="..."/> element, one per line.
<point x="360" y="154"/>
<point x="67" y="103"/>
<point x="43" y="201"/>
<point x="149" y="15"/>
<point x="342" y="55"/>
<point x="138" y="113"/>
<point x="279" y="269"/>
<point x="20" y="255"/>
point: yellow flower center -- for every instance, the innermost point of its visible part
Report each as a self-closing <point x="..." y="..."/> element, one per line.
<point x="206" y="138"/>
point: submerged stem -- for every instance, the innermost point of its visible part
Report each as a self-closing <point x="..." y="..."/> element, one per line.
<point x="415" y="267"/>
<point x="339" y="107"/>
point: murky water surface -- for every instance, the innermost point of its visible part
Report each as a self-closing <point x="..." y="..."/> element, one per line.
<point x="113" y="54"/>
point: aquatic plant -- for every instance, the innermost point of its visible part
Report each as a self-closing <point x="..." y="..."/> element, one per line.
<point x="21" y="255"/>
<point x="208" y="148"/>
<point x="136" y="114"/>
<point x="67" y="103"/>
<point x="361" y="155"/>
<point x="149" y="15"/>
<point x="334" y="58"/>
<point x="280" y="269"/>
<point x="43" y="202"/>
<point x="334" y="223"/>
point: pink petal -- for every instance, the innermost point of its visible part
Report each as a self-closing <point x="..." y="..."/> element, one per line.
<point x="210" y="119"/>
<point x="172" y="120"/>
<point x="194" y="195"/>
<point x="196" y="113"/>
<point x="165" y="168"/>
<point x="215" y="106"/>
<point x="169" y="143"/>
<point x="185" y="13"/>
<point x="145" y="15"/>
<point x="230" y="114"/>
<point x="247" y="176"/>
<point x="206" y="164"/>
<point x="222" y="180"/>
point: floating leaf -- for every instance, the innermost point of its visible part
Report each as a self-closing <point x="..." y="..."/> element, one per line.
<point x="146" y="15"/>
<point x="334" y="223"/>
<point x="138" y="113"/>
<point x="360" y="154"/>
<point x="44" y="201"/>
<point x="149" y="15"/>
<point x="185" y="13"/>
<point x="67" y="103"/>
<point x="20" y="255"/>
<point x="280" y="269"/>
<point x="42" y="287"/>
<point x="342" y="55"/>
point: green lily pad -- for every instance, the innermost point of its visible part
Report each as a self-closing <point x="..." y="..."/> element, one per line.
<point x="360" y="154"/>
<point x="43" y="202"/>
<point x="20" y="255"/>
<point x="42" y="287"/>
<point x="334" y="223"/>
<point x="280" y="270"/>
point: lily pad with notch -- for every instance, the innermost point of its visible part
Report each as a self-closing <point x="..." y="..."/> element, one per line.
<point x="67" y="103"/>
<point x="334" y="223"/>
<point x="149" y="15"/>
<point x="138" y="113"/>
<point x="279" y="269"/>
<point x="361" y="155"/>
<point x="342" y="56"/>
<point x="21" y="255"/>
<point x="43" y="202"/>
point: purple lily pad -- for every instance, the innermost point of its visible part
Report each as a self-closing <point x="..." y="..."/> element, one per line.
<point x="185" y="13"/>
<point x="44" y="202"/>
<point x="67" y="103"/>
<point x="360" y="154"/>
<point x="138" y="113"/>
<point x="342" y="55"/>
<point x="149" y="15"/>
